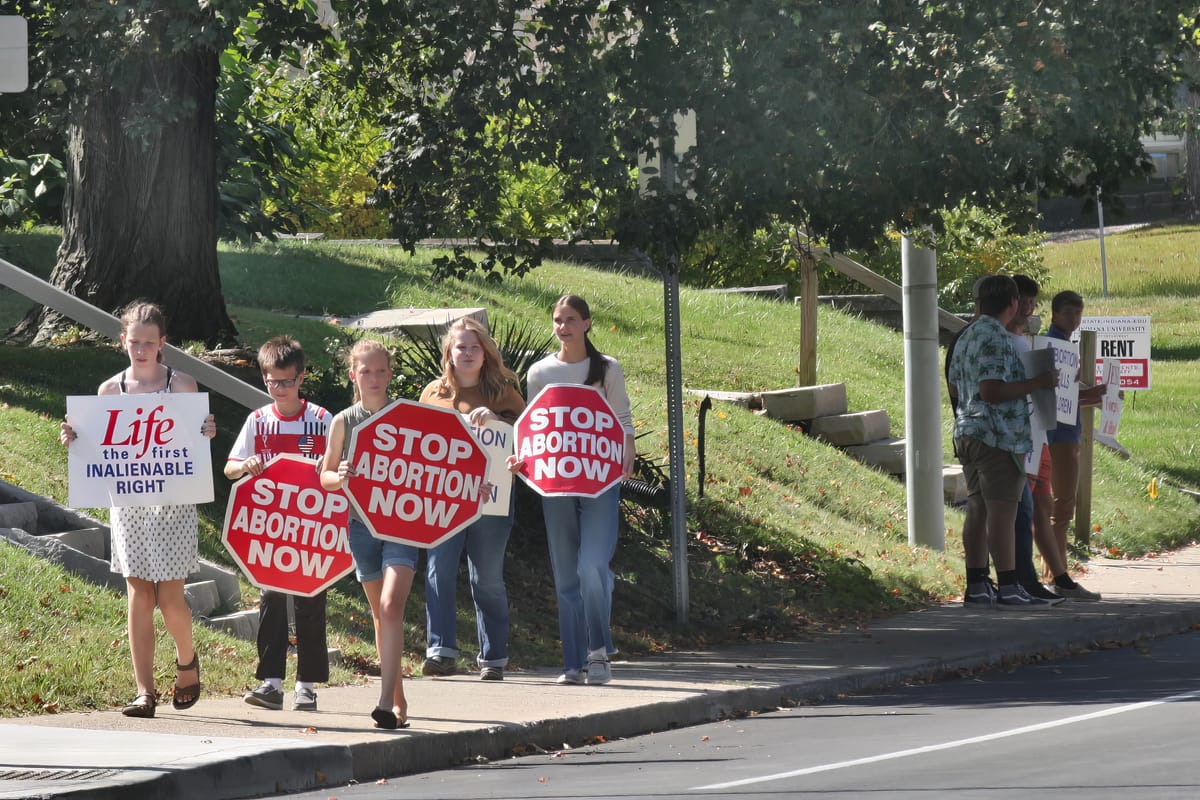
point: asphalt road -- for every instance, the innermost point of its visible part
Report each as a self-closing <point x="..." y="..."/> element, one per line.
<point x="1110" y="724"/>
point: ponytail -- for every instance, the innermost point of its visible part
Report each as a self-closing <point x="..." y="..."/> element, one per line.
<point x="597" y="364"/>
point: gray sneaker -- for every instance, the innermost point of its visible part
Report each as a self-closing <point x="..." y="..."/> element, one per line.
<point x="439" y="666"/>
<point x="304" y="700"/>
<point x="571" y="677"/>
<point x="1076" y="593"/>
<point x="599" y="672"/>
<point x="265" y="696"/>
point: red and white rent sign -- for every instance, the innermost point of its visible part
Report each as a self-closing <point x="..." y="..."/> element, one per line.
<point x="570" y="441"/>
<point x="419" y="473"/>
<point x="285" y="531"/>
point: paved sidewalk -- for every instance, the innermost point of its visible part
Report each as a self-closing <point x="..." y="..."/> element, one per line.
<point x="224" y="748"/>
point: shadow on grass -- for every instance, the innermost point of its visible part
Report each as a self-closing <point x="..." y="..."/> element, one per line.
<point x="1187" y="352"/>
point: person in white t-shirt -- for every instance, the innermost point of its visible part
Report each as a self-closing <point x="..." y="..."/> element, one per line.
<point x="290" y="424"/>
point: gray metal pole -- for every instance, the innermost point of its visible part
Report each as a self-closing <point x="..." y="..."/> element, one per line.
<point x="678" y="497"/>
<point x="922" y="398"/>
<point x="674" y="359"/>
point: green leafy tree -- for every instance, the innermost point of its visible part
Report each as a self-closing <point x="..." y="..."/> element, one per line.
<point x="134" y="84"/>
<point x="845" y="119"/>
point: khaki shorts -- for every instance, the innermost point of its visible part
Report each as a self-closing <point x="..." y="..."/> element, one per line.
<point x="994" y="473"/>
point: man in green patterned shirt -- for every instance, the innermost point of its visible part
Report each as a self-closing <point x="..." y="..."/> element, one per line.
<point x="991" y="436"/>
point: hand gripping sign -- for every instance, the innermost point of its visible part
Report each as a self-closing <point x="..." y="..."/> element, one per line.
<point x="570" y="441"/>
<point x="418" y="473"/>
<point x="286" y="532"/>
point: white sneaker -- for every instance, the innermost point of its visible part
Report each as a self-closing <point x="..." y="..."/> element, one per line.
<point x="571" y="677"/>
<point x="599" y="672"/>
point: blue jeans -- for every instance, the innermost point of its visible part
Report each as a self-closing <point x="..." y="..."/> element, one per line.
<point x="1026" y="572"/>
<point x="372" y="556"/>
<point x="485" y="540"/>
<point x="582" y="536"/>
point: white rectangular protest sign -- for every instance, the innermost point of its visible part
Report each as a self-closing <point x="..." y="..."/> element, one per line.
<point x="497" y="439"/>
<point x="1066" y="361"/>
<point x="138" y="450"/>
<point x="1126" y="339"/>
<point x="1043" y="403"/>
<point x="1111" y="404"/>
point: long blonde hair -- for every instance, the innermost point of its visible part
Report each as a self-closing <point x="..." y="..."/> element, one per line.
<point x="494" y="378"/>
<point x="358" y="354"/>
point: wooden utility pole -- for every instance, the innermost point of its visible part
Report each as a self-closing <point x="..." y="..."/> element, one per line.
<point x="806" y="367"/>
<point x="1087" y="420"/>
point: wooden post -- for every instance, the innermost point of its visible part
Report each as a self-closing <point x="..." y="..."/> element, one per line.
<point x="1087" y="419"/>
<point x="806" y="367"/>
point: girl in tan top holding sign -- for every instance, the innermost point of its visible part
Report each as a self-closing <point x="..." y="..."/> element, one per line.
<point x="476" y="383"/>
<point x="385" y="568"/>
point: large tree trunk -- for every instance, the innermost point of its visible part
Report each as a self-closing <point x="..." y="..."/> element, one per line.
<point x="140" y="210"/>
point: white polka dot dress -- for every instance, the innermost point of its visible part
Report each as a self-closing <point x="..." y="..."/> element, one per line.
<point x="155" y="543"/>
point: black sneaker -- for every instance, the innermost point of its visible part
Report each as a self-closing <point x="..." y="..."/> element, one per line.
<point x="979" y="595"/>
<point x="439" y="666"/>
<point x="1037" y="590"/>
<point x="1015" y="597"/>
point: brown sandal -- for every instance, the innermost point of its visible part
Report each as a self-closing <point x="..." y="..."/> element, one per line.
<point x="141" y="706"/>
<point x="191" y="691"/>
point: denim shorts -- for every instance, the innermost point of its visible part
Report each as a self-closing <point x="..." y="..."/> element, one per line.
<point x="372" y="556"/>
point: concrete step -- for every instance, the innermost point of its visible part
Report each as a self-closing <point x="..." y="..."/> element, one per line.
<point x="954" y="484"/>
<point x="202" y="598"/>
<point x="805" y="402"/>
<point x="91" y="541"/>
<point x="885" y="454"/>
<point x="242" y="624"/>
<point x="228" y="588"/>
<point x="750" y="400"/>
<point x="20" y="515"/>
<point x="856" y="428"/>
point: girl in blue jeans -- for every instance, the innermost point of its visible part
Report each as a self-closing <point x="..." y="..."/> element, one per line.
<point x="475" y="383"/>
<point x="384" y="568"/>
<point x="582" y="531"/>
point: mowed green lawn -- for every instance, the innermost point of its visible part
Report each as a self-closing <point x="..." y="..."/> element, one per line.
<point x="790" y="536"/>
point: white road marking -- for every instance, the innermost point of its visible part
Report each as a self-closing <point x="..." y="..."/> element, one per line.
<point x="933" y="748"/>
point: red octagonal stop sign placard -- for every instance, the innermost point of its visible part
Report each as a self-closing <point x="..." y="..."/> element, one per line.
<point x="418" y="473"/>
<point x="570" y="441"/>
<point x="285" y="531"/>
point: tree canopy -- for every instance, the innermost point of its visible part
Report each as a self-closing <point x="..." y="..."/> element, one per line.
<point x="841" y="118"/>
<point x="844" y="118"/>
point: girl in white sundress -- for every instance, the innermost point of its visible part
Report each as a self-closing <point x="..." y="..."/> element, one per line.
<point x="154" y="547"/>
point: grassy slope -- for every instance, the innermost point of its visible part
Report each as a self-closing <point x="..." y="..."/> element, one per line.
<point x="790" y="536"/>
